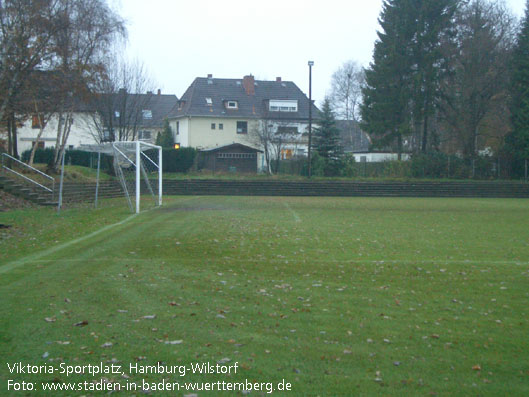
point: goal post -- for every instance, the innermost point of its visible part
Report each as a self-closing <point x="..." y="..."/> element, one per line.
<point x="138" y="168"/>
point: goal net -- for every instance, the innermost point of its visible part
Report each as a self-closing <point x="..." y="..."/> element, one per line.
<point x="138" y="167"/>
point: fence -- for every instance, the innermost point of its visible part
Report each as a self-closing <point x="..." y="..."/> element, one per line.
<point x="436" y="166"/>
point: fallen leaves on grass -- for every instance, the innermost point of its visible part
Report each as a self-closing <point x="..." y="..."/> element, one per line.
<point x="81" y="324"/>
<point x="50" y="319"/>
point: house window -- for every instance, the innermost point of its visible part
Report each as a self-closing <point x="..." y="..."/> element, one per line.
<point x="70" y="147"/>
<point x="242" y="127"/>
<point x="209" y="102"/>
<point x="144" y="135"/>
<point x="147" y="114"/>
<point x="116" y="114"/>
<point x="221" y="126"/>
<point x="212" y="126"/>
<point x="35" y="121"/>
<point x="287" y="130"/>
<point x="286" y="154"/>
<point x="177" y="128"/>
<point x="283" y="105"/>
<point x="236" y="155"/>
<point x="39" y="146"/>
<point x="232" y="105"/>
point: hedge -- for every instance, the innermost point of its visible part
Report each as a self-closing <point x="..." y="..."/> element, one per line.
<point x="180" y="160"/>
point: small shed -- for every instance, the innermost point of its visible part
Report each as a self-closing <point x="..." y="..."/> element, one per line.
<point x="229" y="158"/>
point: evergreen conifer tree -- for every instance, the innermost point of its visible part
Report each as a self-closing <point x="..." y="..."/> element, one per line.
<point x="517" y="142"/>
<point x="165" y="138"/>
<point x="327" y="141"/>
<point x="402" y="82"/>
<point x="385" y="109"/>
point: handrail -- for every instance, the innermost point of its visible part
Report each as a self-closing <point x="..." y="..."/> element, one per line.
<point x="5" y="167"/>
<point x="29" y="179"/>
<point x="25" y="165"/>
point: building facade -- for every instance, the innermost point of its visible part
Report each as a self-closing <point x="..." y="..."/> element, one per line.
<point x="266" y="115"/>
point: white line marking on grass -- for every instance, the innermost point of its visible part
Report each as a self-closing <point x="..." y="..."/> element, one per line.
<point x="294" y="213"/>
<point x="49" y="251"/>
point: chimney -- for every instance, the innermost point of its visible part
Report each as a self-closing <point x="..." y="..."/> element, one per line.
<point x="248" y="83"/>
<point x="159" y="92"/>
<point x="210" y="76"/>
<point x="149" y="92"/>
<point x="278" y="79"/>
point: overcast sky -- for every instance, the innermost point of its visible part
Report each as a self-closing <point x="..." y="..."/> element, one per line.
<point x="180" y="40"/>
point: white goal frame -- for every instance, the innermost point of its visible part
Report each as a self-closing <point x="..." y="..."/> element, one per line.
<point x="135" y="150"/>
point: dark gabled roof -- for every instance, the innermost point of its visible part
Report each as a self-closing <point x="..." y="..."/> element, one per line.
<point x="160" y="106"/>
<point x="133" y="105"/>
<point x="354" y="140"/>
<point x="193" y="102"/>
<point x="232" y="145"/>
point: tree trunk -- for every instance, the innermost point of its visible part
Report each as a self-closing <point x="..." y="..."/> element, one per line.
<point x="12" y="135"/>
<point x="425" y="133"/>
<point x="41" y="130"/>
<point x="399" y="147"/>
<point x="9" y="138"/>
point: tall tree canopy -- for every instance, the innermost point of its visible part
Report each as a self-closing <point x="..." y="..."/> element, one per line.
<point x="517" y="142"/>
<point x="473" y="106"/>
<point x="403" y="81"/>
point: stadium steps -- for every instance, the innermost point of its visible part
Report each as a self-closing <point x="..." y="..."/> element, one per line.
<point x="348" y="189"/>
<point x="78" y="192"/>
<point x="26" y="192"/>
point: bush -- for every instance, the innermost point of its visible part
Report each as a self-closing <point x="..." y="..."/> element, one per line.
<point x="42" y="156"/>
<point x="173" y="160"/>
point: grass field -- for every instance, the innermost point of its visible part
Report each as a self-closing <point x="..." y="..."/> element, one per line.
<point x="337" y="296"/>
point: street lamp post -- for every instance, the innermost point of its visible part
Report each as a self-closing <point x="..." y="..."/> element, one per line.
<point x="311" y="63"/>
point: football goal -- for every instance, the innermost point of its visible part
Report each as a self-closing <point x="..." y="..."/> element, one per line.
<point x="138" y="167"/>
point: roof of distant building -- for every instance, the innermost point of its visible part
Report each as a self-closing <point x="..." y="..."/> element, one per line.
<point x="354" y="140"/>
<point x="242" y="98"/>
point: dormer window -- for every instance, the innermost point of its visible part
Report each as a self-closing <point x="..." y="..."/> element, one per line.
<point x="147" y="114"/>
<point x="283" y="105"/>
<point x="209" y="102"/>
<point x="232" y="105"/>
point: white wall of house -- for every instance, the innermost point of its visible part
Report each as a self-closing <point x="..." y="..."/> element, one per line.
<point x="379" y="157"/>
<point x="180" y="128"/>
<point x="82" y="132"/>
<point x="211" y="132"/>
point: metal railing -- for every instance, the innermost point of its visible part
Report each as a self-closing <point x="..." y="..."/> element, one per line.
<point x="7" y="159"/>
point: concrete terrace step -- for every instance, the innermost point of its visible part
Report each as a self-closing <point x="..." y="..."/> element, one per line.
<point x="26" y="192"/>
<point x="339" y="188"/>
<point x="77" y="192"/>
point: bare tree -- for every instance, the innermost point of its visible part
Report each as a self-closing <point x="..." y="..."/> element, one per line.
<point x="346" y="95"/>
<point x="120" y="100"/>
<point x="475" y="92"/>
<point x="89" y="29"/>
<point x="273" y="137"/>
<point x="346" y="90"/>
<point x="26" y="31"/>
<point x="261" y="135"/>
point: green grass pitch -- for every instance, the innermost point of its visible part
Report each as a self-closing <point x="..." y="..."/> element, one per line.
<point x="336" y="296"/>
